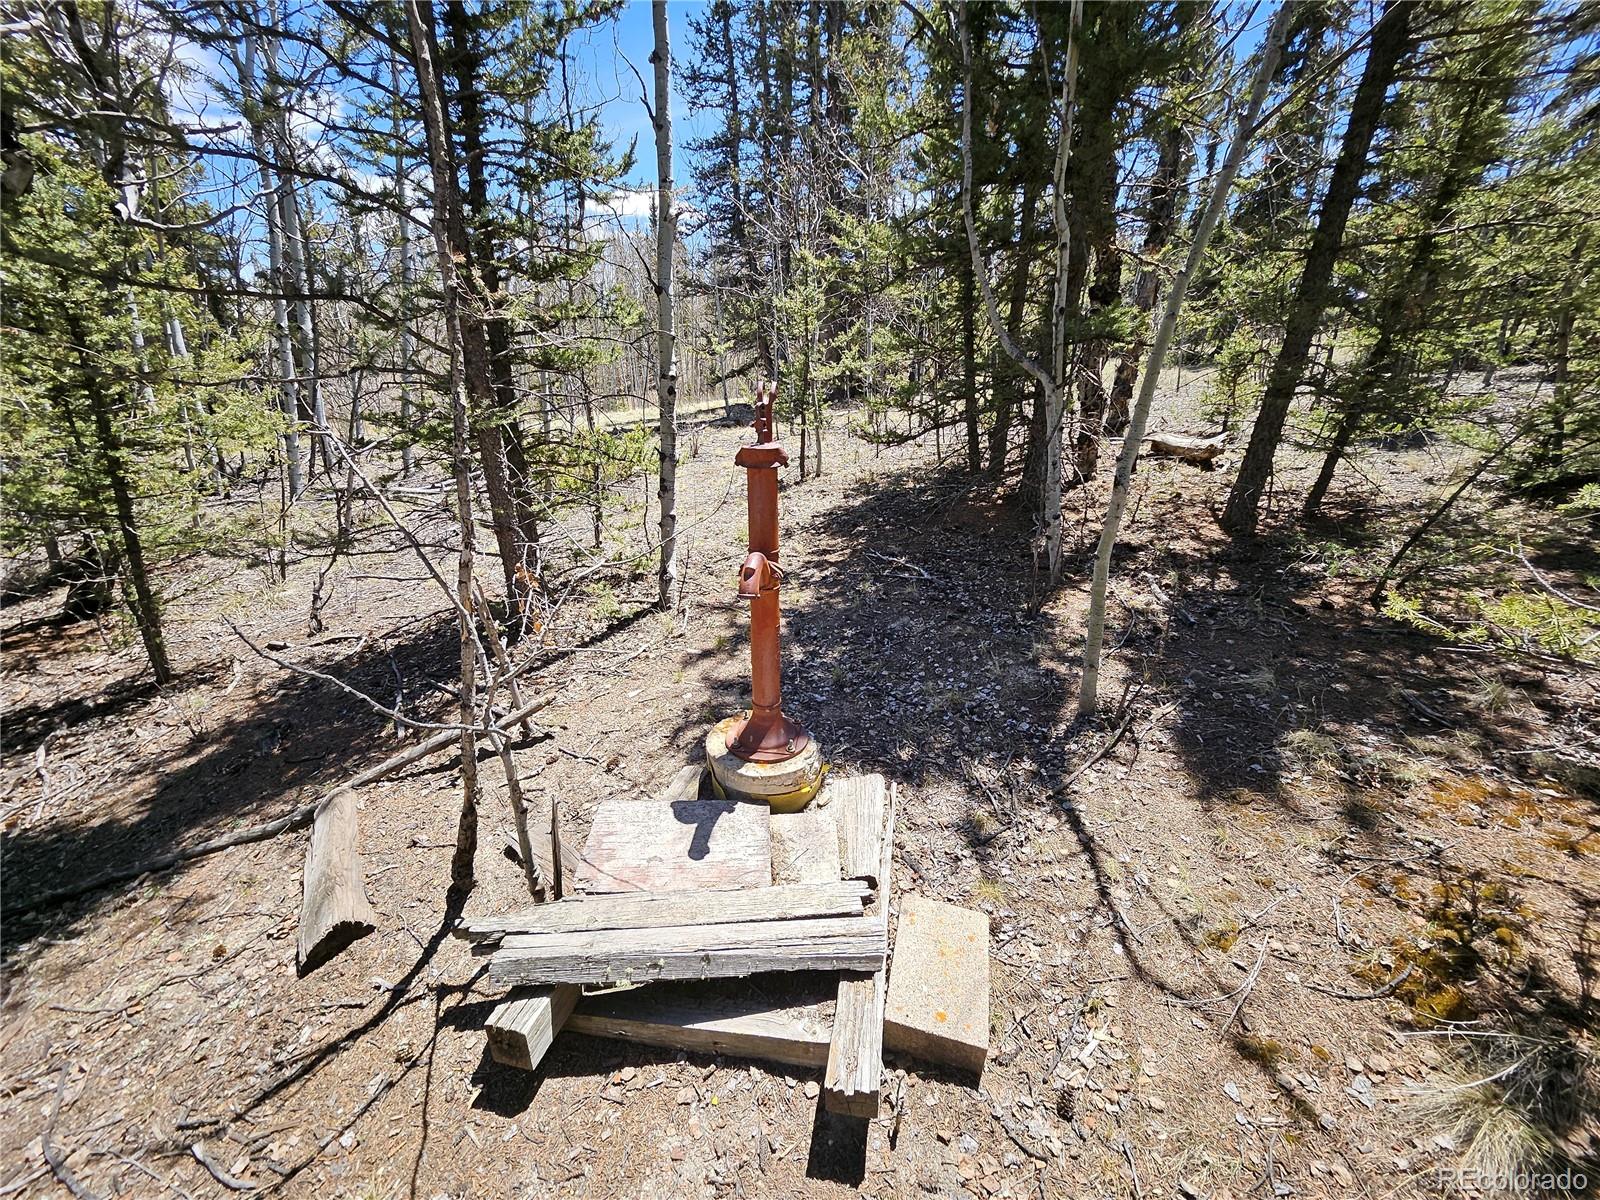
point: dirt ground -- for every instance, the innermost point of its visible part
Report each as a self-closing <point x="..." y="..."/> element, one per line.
<point x="1251" y="951"/>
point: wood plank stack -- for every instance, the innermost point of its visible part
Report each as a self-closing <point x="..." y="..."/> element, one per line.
<point x="693" y="897"/>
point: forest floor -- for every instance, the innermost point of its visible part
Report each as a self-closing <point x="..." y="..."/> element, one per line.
<point x="1195" y="945"/>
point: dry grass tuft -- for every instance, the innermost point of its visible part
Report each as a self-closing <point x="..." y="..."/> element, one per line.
<point x="1311" y="750"/>
<point x="1491" y="695"/>
<point x="1510" y="1104"/>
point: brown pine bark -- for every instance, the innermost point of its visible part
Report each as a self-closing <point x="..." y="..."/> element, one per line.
<point x="140" y="596"/>
<point x="1391" y="39"/>
<point x="466" y="354"/>
<point x="485" y="332"/>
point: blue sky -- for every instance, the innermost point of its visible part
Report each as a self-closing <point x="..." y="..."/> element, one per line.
<point x="604" y="55"/>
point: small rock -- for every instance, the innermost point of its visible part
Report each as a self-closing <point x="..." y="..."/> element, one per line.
<point x="686" y="1095"/>
<point x="812" y="1089"/>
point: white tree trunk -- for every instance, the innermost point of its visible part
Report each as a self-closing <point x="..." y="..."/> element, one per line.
<point x="294" y="244"/>
<point x="1094" y="634"/>
<point x="253" y="100"/>
<point x="666" y="348"/>
<point x="407" y="347"/>
<point x="1052" y="380"/>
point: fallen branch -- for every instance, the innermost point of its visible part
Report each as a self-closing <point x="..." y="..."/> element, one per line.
<point x="42" y="773"/>
<point x="1200" y="451"/>
<point x="1106" y="748"/>
<point x="297" y="819"/>
<point x="1381" y="992"/>
<point x="217" y="1173"/>
<point x="58" y="1161"/>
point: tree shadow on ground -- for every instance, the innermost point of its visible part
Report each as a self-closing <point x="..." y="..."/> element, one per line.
<point x="909" y="641"/>
<point x="912" y="649"/>
<point x="267" y="757"/>
<point x="260" y="760"/>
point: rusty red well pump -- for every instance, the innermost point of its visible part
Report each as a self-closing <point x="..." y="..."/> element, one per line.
<point x="764" y="734"/>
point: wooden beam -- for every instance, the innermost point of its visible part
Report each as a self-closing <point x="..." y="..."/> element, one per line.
<point x="793" y="1033"/>
<point x="685" y="784"/>
<point x="334" y="910"/>
<point x="857" y="806"/>
<point x="522" y="1027"/>
<point x="657" y="910"/>
<point x="690" y="951"/>
<point x="855" y="1058"/>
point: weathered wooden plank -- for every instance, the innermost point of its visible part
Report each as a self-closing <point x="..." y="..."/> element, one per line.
<point x="938" y="1006"/>
<point x="543" y="859"/>
<point x="334" y="910"/>
<point x="805" y="846"/>
<point x="522" y="1027"/>
<point x="685" y="784"/>
<point x="795" y="1033"/>
<point x="854" y="1076"/>
<point x="657" y="910"/>
<point x="857" y="806"/>
<point x="690" y="952"/>
<point x="675" y="845"/>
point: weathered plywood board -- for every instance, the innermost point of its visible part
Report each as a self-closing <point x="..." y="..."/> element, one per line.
<point x="690" y="952"/>
<point x="522" y="1027"/>
<point x="681" y="1019"/>
<point x="676" y="845"/>
<point x="854" y="1078"/>
<point x="805" y="846"/>
<point x="938" y="1005"/>
<point x="658" y="910"/>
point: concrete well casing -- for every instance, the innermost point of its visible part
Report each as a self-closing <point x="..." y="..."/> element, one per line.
<point x="786" y="786"/>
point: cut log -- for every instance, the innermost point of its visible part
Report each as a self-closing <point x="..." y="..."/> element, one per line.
<point x="690" y="951"/>
<point x="675" y="844"/>
<point x="795" y="1033"/>
<point x="521" y="1029"/>
<point x="938" y="1006"/>
<point x="656" y="910"/>
<point x="1202" y="452"/>
<point x="855" y="1058"/>
<point x="805" y="846"/>
<point x="334" y="910"/>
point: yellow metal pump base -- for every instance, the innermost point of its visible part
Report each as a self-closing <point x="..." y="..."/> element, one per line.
<point x="786" y="787"/>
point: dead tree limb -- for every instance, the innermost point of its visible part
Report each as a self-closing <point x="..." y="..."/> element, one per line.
<point x="57" y="1160"/>
<point x="297" y="819"/>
